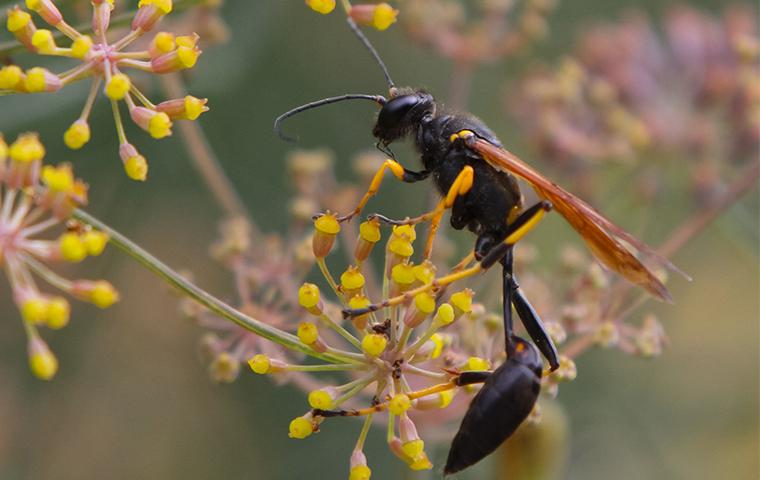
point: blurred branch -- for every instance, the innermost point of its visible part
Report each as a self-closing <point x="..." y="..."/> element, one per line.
<point x="203" y="157"/>
<point x="206" y="299"/>
<point x="745" y="181"/>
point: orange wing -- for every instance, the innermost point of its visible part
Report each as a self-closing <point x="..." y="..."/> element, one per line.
<point x="600" y="234"/>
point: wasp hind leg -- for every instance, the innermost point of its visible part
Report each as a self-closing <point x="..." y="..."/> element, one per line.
<point x="530" y="319"/>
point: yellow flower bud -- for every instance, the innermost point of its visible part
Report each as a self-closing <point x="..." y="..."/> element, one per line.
<point x="77" y="135"/>
<point x="309" y="299"/>
<point x="58" y="313"/>
<point x="260" y="364"/>
<point x="444" y="316"/>
<point x="300" y="428"/>
<point x="308" y="333"/>
<point x="320" y="399"/>
<point x="374" y="344"/>
<point x="95" y="242"/>
<point x="399" y="404"/>
<point x="326" y="227"/>
<point x="72" y="247"/>
<point x="11" y="77"/>
<point x="360" y="472"/>
<point x="118" y="86"/>
<point x="322" y="6"/>
<point x="42" y="362"/>
<point x="476" y="364"/>
<point x="81" y="46"/>
<point x="34" y="310"/>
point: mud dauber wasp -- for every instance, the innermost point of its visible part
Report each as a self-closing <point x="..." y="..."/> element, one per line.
<point x="476" y="178"/>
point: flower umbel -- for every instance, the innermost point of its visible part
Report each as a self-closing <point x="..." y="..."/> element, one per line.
<point x="106" y="62"/>
<point x="35" y="198"/>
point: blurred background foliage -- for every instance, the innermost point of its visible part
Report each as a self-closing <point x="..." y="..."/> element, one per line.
<point x="132" y="400"/>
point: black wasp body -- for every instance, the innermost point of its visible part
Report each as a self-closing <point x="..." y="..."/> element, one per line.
<point x="494" y="197"/>
<point x="491" y="208"/>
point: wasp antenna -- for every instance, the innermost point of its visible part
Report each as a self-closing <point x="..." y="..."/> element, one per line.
<point x="365" y="41"/>
<point x="379" y="99"/>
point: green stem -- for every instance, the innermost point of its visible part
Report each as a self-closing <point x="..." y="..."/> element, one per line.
<point x="204" y="298"/>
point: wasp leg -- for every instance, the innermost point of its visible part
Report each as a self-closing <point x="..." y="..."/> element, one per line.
<point x="517" y="229"/>
<point x="527" y="314"/>
<point x="507" y="299"/>
<point x="406" y="176"/>
<point x="379" y="407"/>
<point x="469" y="378"/>
<point x="461" y="185"/>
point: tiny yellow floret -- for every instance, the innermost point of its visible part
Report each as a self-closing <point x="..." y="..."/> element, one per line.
<point x="384" y="16"/>
<point x="444" y="316"/>
<point x="35" y="310"/>
<point x="43" y="41"/>
<point x="327" y="224"/>
<point x="424" y="302"/>
<point x="136" y="168"/>
<point x="260" y="364"/>
<point x="401" y="246"/>
<point x="188" y="56"/>
<point x="81" y="46"/>
<point x="407" y="231"/>
<point x="369" y="231"/>
<point x="58" y="179"/>
<point x="95" y="242"/>
<point x="59" y="312"/>
<point x="413" y="448"/>
<point x="462" y="301"/>
<point x="77" y="135"/>
<point x="103" y="295"/>
<point x="374" y="344"/>
<point x="300" y="428"/>
<point x="194" y="107"/>
<point x="308" y="333"/>
<point x="11" y="77"/>
<point x="163" y="42"/>
<point x="72" y="247"/>
<point x="352" y="279"/>
<point x="476" y="364"/>
<point x="26" y="149"/>
<point x="399" y="404"/>
<point x="322" y="6"/>
<point x="360" y="472"/>
<point x="165" y="6"/>
<point x="308" y="295"/>
<point x="160" y="125"/>
<point x="43" y="364"/>
<point x="437" y="340"/>
<point x="17" y="19"/>
<point x="118" y="86"/>
<point x="320" y="399"/>
<point x="403" y="274"/>
<point x="445" y="398"/>
<point x="35" y="80"/>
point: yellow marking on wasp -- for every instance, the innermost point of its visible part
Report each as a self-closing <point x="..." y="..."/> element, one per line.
<point x="463" y="134"/>
<point x="520" y="348"/>
<point x="523" y="230"/>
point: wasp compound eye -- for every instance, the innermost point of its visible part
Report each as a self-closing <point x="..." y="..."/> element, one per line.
<point x="394" y="111"/>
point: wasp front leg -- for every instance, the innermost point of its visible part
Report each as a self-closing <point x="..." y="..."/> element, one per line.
<point x="401" y="173"/>
<point x="461" y="185"/>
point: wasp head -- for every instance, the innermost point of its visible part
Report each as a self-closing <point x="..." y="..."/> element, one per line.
<point x="402" y="113"/>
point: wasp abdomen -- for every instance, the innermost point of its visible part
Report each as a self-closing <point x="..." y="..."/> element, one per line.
<point x="504" y="402"/>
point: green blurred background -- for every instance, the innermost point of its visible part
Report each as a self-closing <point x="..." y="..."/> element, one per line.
<point x="132" y="400"/>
